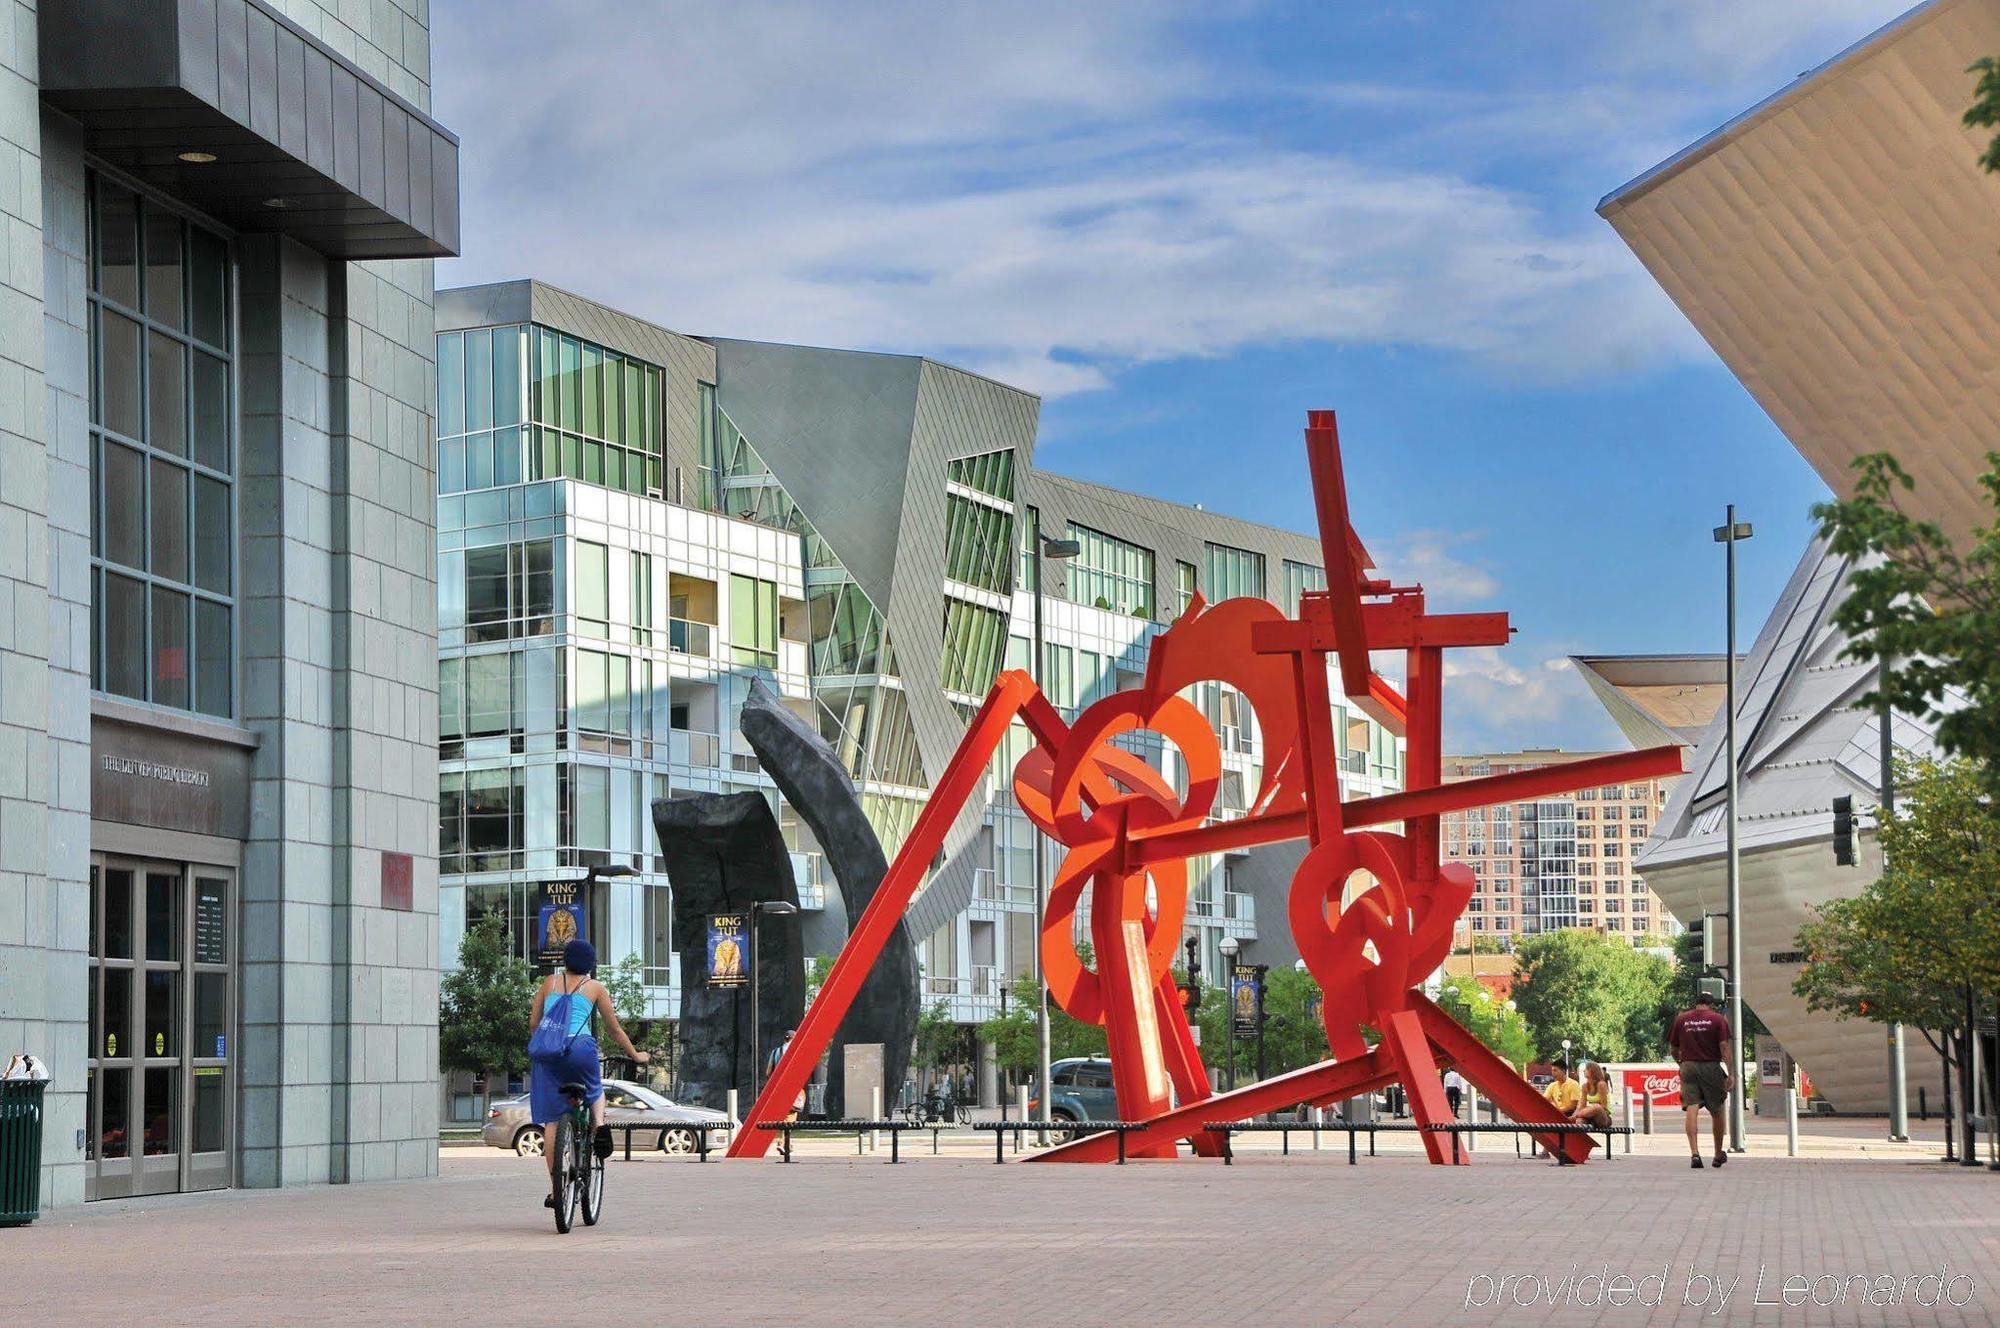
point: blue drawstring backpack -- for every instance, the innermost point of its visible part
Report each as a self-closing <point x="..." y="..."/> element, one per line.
<point x="551" y="1039"/>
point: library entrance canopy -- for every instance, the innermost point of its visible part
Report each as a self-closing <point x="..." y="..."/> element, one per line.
<point x="232" y="108"/>
<point x="1839" y="248"/>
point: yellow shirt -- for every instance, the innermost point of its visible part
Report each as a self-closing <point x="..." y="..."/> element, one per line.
<point x="1600" y="1096"/>
<point x="1563" y="1095"/>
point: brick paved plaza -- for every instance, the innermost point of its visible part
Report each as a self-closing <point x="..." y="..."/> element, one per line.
<point x="835" y="1240"/>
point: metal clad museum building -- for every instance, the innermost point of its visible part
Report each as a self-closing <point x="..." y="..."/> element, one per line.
<point x="217" y="609"/>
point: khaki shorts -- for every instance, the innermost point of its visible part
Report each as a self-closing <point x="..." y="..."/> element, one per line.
<point x="1704" y="1084"/>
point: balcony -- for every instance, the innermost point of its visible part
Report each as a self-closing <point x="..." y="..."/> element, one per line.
<point x="1241" y="907"/>
<point x="693" y="747"/>
<point x="688" y="637"/>
<point x="810" y="875"/>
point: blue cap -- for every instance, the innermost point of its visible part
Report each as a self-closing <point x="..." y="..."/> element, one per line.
<point x="579" y="956"/>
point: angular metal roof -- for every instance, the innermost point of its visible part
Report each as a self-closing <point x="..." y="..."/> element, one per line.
<point x="1839" y="248"/>
<point x="1656" y="699"/>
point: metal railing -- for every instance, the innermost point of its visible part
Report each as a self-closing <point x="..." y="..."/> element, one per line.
<point x="694" y="747"/>
<point x="809" y="873"/>
<point x="986" y="883"/>
<point x="685" y="636"/>
<point x="985" y="980"/>
<point x="1242" y="907"/>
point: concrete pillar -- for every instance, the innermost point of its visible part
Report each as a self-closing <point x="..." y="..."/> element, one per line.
<point x="988" y="1075"/>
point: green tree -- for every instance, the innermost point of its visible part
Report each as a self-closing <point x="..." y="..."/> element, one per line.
<point x="483" y="1004"/>
<point x="1016" y="1045"/>
<point x="625" y="982"/>
<point x="1596" y="990"/>
<point x="1292" y="1036"/>
<point x="938" y="1040"/>
<point x="1917" y="941"/>
<point x="1503" y="1030"/>
<point x="1478" y="944"/>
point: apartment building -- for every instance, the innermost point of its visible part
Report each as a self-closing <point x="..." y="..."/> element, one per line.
<point x="1560" y="861"/>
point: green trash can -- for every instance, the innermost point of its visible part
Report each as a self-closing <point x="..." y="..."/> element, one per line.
<point x="20" y="1150"/>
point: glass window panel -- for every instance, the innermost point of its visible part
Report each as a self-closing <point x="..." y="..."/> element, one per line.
<point x="214" y="659"/>
<point x="486" y="593"/>
<point x="115" y="1137"/>
<point x="124" y="640"/>
<point x="162" y="1088"/>
<point x="118" y="352"/>
<point x="489" y="706"/>
<point x="124" y="505"/>
<point x="451" y="699"/>
<point x="507" y="456"/>
<point x="166" y="394"/>
<point x="451" y="384"/>
<point x="593" y="391"/>
<point x="170" y="648"/>
<point x="593" y="581"/>
<point x="117" y="914"/>
<point x="117" y="237"/>
<point x="208" y="1108"/>
<point x="614" y="467"/>
<point x="451" y="466"/>
<point x="208" y="286"/>
<point x="478" y="380"/>
<point x="614" y="399"/>
<point x="571" y="353"/>
<point x="163" y="267"/>
<point x="507" y="403"/>
<point x="593" y="461"/>
<point x="162" y="1032"/>
<point x="635" y="410"/>
<point x="163" y="916"/>
<point x="167" y="504"/>
<point x="211" y="412"/>
<point x="479" y="461"/>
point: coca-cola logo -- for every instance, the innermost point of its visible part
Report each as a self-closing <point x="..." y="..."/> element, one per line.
<point x="1657" y="1084"/>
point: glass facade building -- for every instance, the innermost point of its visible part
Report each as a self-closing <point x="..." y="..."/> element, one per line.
<point x="853" y="528"/>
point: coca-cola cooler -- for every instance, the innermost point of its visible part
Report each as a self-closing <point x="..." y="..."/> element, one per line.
<point x="1663" y="1077"/>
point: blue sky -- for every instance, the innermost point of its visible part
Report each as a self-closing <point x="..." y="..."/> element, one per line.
<point x="1186" y="224"/>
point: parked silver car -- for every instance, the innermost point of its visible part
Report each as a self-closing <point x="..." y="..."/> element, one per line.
<point x="625" y="1103"/>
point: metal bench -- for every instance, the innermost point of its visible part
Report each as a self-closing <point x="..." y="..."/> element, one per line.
<point x="856" y="1127"/>
<point x="1285" y="1130"/>
<point x="1001" y="1128"/>
<point x="700" y="1134"/>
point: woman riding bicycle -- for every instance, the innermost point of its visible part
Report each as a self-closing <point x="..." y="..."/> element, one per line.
<point x="572" y="995"/>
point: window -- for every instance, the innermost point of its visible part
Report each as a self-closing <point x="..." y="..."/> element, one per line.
<point x="979" y="541"/>
<point x="753" y="621"/>
<point x="509" y="590"/>
<point x="593" y="588"/>
<point x="481" y="408"/>
<point x="1111" y="573"/>
<point x="1184" y="587"/>
<point x="975" y="638"/>
<point x="1234" y="572"/>
<point x="162" y="441"/>
<point x="659" y="951"/>
<point x="480" y="820"/>
<point x="598" y="416"/>
<point x="991" y="473"/>
<point x="1299" y="578"/>
<point x="642" y="598"/>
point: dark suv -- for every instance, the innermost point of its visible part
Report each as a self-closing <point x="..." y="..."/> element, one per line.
<point x="1083" y="1092"/>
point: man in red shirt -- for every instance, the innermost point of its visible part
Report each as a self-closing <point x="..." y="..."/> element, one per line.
<point x="1700" y="1040"/>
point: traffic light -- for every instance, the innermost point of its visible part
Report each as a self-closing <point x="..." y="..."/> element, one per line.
<point x="1843" y="831"/>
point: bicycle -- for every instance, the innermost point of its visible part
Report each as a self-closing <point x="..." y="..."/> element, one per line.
<point x="577" y="1178"/>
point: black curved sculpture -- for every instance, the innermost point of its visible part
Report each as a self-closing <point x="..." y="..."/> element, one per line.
<point x="817" y="786"/>
<point x="724" y="853"/>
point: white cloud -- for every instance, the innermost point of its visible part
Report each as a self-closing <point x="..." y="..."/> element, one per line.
<point x="1425" y="557"/>
<point x="1720" y="41"/>
<point x="1033" y="191"/>
<point x="1495" y="704"/>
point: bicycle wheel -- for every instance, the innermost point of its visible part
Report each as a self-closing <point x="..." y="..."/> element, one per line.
<point x="565" y="1174"/>
<point x="590" y="1183"/>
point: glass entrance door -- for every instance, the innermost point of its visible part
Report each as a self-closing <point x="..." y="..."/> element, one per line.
<point x="159" y="1081"/>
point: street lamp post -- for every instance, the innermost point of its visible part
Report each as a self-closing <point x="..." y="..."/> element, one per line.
<point x="1729" y="534"/>
<point x="1899" y="1092"/>
<point x="1230" y="948"/>
<point x="1565" y="1055"/>
<point x="1058" y="550"/>
<point x="777" y="908"/>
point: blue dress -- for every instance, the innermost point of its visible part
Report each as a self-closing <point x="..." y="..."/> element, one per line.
<point x="577" y="1066"/>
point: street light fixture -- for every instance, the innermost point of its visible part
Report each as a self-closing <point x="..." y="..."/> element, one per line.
<point x="1056" y="550"/>
<point x="777" y="908"/>
<point x="1230" y="948"/>
<point x="1565" y="1055"/>
<point x="1729" y="534"/>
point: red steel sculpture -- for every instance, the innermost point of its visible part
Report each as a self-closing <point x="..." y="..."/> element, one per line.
<point x="1372" y="910"/>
